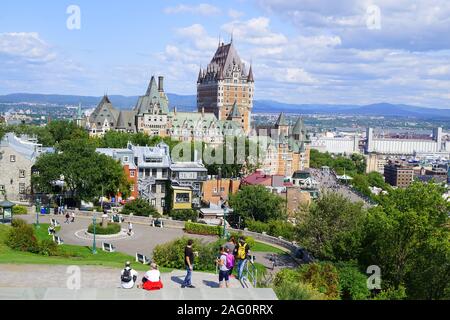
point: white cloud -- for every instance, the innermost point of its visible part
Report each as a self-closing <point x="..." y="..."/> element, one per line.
<point x="28" y="46"/>
<point x="197" y="34"/>
<point x="440" y="71"/>
<point x="235" y="14"/>
<point x="255" y="31"/>
<point x="203" y="9"/>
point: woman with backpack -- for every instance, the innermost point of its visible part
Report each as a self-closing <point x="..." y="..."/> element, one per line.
<point x="241" y="256"/>
<point x="230" y="247"/>
<point x="224" y="275"/>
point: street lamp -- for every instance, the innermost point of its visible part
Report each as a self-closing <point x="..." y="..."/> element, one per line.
<point x="38" y="210"/>
<point x="61" y="202"/>
<point x="94" y="245"/>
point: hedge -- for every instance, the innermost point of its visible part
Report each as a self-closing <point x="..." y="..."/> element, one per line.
<point x="20" y="210"/>
<point x="203" y="229"/>
<point x="113" y="228"/>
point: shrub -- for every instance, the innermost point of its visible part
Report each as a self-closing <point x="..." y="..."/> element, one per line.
<point x="171" y="255"/>
<point x="322" y="276"/>
<point x="275" y="228"/>
<point x="48" y="247"/>
<point x="112" y="228"/>
<point x="22" y="238"/>
<point x="203" y="229"/>
<point x="16" y="223"/>
<point x="140" y="207"/>
<point x="297" y="291"/>
<point x="184" y="215"/>
<point x="352" y="282"/>
<point x="20" y="210"/>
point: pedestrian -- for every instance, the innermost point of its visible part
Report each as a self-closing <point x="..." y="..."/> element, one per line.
<point x="231" y="261"/>
<point x="224" y="272"/>
<point x="73" y="217"/>
<point x="128" y="277"/>
<point x="189" y="263"/>
<point x="67" y="218"/>
<point x="230" y="246"/>
<point x="130" y="228"/>
<point x="241" y="256"/>
<point x="152" y="279"/>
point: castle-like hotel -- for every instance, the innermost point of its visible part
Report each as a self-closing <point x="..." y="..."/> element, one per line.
<point x="225" y="92"/>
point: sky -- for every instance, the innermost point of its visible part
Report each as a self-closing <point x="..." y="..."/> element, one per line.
<point x="302" y="51"/>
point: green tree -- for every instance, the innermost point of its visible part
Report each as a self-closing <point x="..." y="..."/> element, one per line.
<point x="257" y="203"/>
<point x="333" y="228"/>
<point x="352" y="282"/>
<point x="140" y="207"/>
<point x="87" y="174"/>
<point x="407" y="236"/>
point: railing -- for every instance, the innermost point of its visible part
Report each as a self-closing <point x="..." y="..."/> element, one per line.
<point x="250" y="273"/>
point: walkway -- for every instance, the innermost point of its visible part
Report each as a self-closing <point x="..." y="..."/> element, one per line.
<point x="99" y="283"/>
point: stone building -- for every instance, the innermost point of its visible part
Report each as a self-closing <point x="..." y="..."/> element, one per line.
<point x="17" y="157"/>
<point x="287" y="149"/>
<point x="226" y="87"/>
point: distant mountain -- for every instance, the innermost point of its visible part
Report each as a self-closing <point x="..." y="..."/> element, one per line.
<point x="189" y="102"/>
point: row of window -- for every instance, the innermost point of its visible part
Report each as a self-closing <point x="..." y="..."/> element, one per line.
<point x="22" y="188"/>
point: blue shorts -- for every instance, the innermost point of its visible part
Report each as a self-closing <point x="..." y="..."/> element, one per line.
<point x="224" y="275"/>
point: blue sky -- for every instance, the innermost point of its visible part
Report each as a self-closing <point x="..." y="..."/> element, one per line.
<point x="303" y="51"/>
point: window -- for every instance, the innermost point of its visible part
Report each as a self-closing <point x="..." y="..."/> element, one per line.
<point x="12" y="158"/>
<point x="182" y="198"/>
<point x="126" y="159"/>
<point x="163" y="203"/>
<point x="21" y="173"/>
<point x="22" y="188"/>
<point x="154" y="202"/>
<point x="132" y="188"/>
<point x="132" y="173"/>
<point x="2" y="187"/>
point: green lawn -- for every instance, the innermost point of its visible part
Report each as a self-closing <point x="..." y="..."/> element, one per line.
<point x="262" y="247"/>
<point x="74" y="255"/>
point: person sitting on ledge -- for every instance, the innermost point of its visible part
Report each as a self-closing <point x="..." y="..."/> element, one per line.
<point x="152" y="279"/>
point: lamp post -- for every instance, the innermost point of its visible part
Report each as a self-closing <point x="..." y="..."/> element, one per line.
<point x="94" y="245"/>
<point x="38" y="210"/>
<point x="61" y="202"/>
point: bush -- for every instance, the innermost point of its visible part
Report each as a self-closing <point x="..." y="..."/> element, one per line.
<point x="171" y="255"/>
<point x="22" y="238"/>
<point x="203" y="229"/>
<point x="20" y="210"/>
<point x="48" y="247"/>
<point x="16" y="223"/>
<point x="184" y="215"/>
<point x="140" y="207"/>
<point x="112" y="228"/>
<point x="297" y="291"/>
<point x="352" y="282"/>
<point x="322" y="276"/>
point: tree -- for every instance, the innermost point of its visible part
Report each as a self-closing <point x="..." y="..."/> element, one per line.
<point x="87" y="174"/>
<point x="257" y="203"/>
<point x="140" y="207"/>
<point x="407" y="236"/>
<point x="333" y="228"/>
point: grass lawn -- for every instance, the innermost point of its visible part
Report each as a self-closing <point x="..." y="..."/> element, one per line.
<point x="73" y="255"/>
<point x="262" y="247"/>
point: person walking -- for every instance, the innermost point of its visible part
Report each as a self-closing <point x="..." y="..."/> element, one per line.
<point x="73" y="217"/>
<point x="67" y="218"/>
<point x="230" y="248"/>
<point x="189" y="263"/>
<point x="130" y="228"/>
<point x="224" y="272"/>
<point x="128" y="277"/>
<point x="241" y="256"/>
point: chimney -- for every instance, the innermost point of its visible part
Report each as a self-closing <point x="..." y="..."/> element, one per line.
<point x="203" y="112"/>
<point x="175" y="111"/>
<point x="161" y="84"/>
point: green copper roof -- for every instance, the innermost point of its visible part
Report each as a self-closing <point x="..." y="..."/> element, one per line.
<point x="154" y="101"/>
<point x="281" y="121"/>
<point x="235" y="112"/>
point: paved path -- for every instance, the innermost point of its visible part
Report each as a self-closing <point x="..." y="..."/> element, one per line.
<point x="144" y="239"/>
<point x="42" y="282"/>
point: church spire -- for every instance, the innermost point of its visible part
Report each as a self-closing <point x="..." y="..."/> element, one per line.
<point x="250" y="75"/>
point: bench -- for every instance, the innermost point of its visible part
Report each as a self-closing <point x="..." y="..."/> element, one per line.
<point x="157" y="223"/>
<point x="58" y="240"/>
<point x="142" y="259"/>
<point x="108" y="247"/>
<point x="54" y="223"/>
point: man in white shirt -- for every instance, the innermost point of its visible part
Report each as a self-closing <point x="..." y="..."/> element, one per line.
<point x="128" y="277"/>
